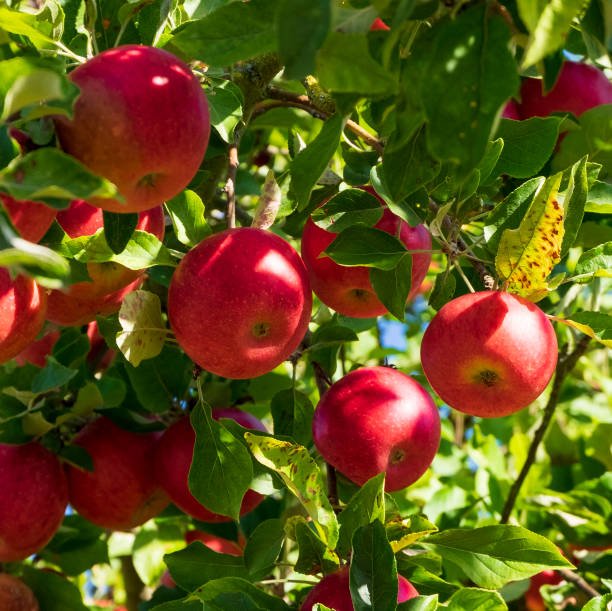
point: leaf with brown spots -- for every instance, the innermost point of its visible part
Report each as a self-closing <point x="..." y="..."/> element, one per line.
<point x="526" y="255"/>
<point x="301" y="474"/>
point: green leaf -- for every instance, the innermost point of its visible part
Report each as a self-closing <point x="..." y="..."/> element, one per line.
<point x="49" y="175"/>
<point x="358" y="245"/>
<point x="471" y="55"/>
<point x="186" y="211"/>
<point x="420" y="603"/>
<point x="118" y="229"/>
<point x="197" y="564"/>
<point x="143" y="331"/>
<point x="54" y="592"/>
<point x="393" y="286"/>
<point x="313" y="554"/>
<point x="405" y="532"/>
<point x="595" y="262"/>
<point x="23" y="24"/>
<point x="53" y="375"/>
<point x="373" y="572"/>
<point x="153" y="541"/>
<point x="443" y="290"/>
<point x="251" y="597"/>
<point x="527" y="255"/>
<point x="310" y="163"/>
<point x="551" y="30"/>
<point x="600" y="603"/>
<point x="263" y="547"/>
<point x="594" y="324"/>
<point x="366" y="505"/>
<point x="475" y="599"/>
<point x="292" y="413"/>
<point x="225" y="102"/>
<point x="527" y="145"/>
<point x="301" y="28"/>
<point x="344" y="65"/>
<point x="491" y="556"/>
<point x="599" y="199"/>
<point x="303" y="478"/>
<point x="234" y="32"/>
<point x="349" y="207"/>
<point x="221" y="471"/>
<point x="575" y="200"/>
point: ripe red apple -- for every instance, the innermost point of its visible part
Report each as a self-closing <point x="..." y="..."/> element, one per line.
<point x="23" y="306"/>
<point x="31" y="219"/>
<point x="239" y="302"/>
<point x="489" y="353"/>
<point x="141" y="121"/>
<point x="15" y="595"/>
<point x="334" y="591"/>
<point x="122" y="492"/>
<point x="217" y="544"/>
<point x="511" y="111"/>
<point x="100" y="356"/>
<point x="36" y="353"/>
<point x="533" y="598"/>
<point x="348" y="290"/>
<point x="377" y="419"/>
<point x="379" y="24"/>
<point x="173" y="457"/>
<point x="34" y="498"/>
<point x="578" y="88"/>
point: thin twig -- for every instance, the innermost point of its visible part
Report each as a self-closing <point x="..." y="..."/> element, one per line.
<point x="230" y="184"/>
<point x="578" y="581"/>
<point x="564" y="367"/>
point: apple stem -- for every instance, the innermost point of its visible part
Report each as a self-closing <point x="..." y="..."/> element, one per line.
<point x="565" y="364"/>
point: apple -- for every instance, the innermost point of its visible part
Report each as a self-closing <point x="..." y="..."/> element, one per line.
<point x="36" y="353"/>
<point x="489" y="353"/>
<point x="533" y="598"/>
<point x="122" y="492"/>
<point x="217" y="544"/>
<point x="379" y="24"/>
<point x="141" y="120"/>
<point x="334" y="591"/>
<point x="103" y="294"/>
<point x="100" y="356"/>
<point x="348" y="290"/>
<point x="239" y="302"/>
<point x="23" y="306"/>
<point x="173" y="456"/>
<point x="34" y="499"/>
<point x="31" y="219"/>
<point x="16" y="595"/>
<point x="511" y="110"/>
<point x="578" y="88"/>
<point x="377" y="419"/>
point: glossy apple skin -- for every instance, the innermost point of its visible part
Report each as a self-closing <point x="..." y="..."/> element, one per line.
<point x="173" y="456"/>
<point x="141" y="121"/>
<point x="579" y="87"/>
<point x="16" y="595"/>
<point x="348" y="290"/>
<point x="533" y="598"/>
<point x="377" y="419"/>
<point x="34" y="499"/>
<point x="122" y="492"/>
<point x="31" y="219"/>
<point x="36" y="353"/>
<point x="489" y="353"/>
<point x="334" y="591"/>
<point x="239" y="303"/>
<point x="23" y="306"/>
<point x="217" y="544"/>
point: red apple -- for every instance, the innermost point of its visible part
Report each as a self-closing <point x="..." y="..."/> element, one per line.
<point x="533" y="598"/>
<point x="239" y="302"/>
<point x="489" y="353"/>
<point x="511" y="111"/>
<point x="217" y="544"/>
<point x="379" y="24"/>
<point x="100" y="356"/>
<point x="578" y="88"/>
<point x="31" y="219"/>
<point x="23" y="306"/>
<point x="141" y="121"/>
<point x="334" y="592"/>
<point x="15" y="595"/>
<point x="377" y="419"/>
<point x="36" y="353"/>
<point x="173" y="457"/>
<point x="34" y="499"/>
<point x="348" y="290"/>
<point x="122" y="492"/>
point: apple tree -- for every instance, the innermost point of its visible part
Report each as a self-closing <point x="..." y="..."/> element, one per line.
<point x="305" y="305"/>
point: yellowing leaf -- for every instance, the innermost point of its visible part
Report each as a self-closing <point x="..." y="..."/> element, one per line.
<point x="527" y="255"/>
<point x="143" y="333"/>
<point x="594" y="324"/>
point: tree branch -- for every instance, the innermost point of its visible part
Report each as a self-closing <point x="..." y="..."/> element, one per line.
<point x="564" y="366"/>
<point x="132" y="583"/>
<point x="578" y="581"/>
<point x="230" y="183"/>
